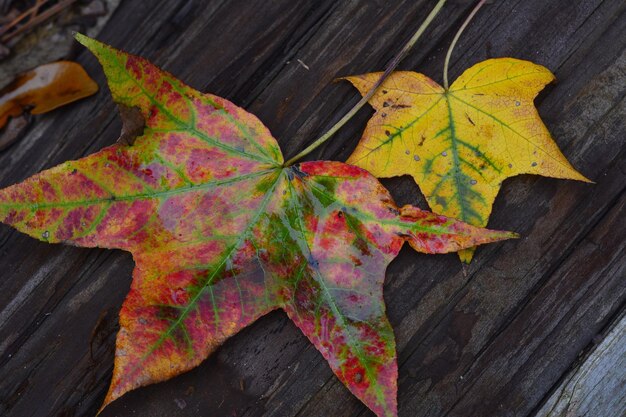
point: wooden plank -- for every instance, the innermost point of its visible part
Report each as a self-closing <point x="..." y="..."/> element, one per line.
<point x="492" y="342"/>
<point x="596" y="383"/>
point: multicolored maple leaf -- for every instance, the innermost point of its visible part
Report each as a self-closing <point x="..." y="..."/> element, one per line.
<point x="460" y="143"/>
<point x="222" y="233"/>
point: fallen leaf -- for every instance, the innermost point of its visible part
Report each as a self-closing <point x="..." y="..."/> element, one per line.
<point x="460" y="144"/>
<point x="45" y="88"/>
<point x="222" y="233"/>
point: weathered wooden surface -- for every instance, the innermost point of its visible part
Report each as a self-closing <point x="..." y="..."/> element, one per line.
<point x="497" y="341"/>
<point x="597" y="383"/>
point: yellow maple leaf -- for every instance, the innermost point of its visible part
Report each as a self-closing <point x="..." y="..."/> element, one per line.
<point x="460" y="144"/>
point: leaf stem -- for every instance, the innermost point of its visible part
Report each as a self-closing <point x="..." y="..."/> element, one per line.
<point x="392" y="66"/>
<point x="456" y="38"/>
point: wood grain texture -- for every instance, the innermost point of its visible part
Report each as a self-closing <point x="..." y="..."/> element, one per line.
<point x="497" y="340"/>
<point x="596" y="383"/>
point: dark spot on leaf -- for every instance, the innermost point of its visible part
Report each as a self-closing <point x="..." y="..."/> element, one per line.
<point x="441" y="201"/>
<point x="299" y="173"/>
<point x="133" y="124"/>
<point x="68" y="92"/>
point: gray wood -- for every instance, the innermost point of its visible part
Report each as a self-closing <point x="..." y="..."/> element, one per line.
<point x="497" y="340"/>
<point x="597" y="383"/>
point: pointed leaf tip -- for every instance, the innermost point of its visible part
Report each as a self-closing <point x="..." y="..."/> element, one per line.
<point x="80" y="38"/>
<point x="100" y="50"/>
<point x="432" y="233"/>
